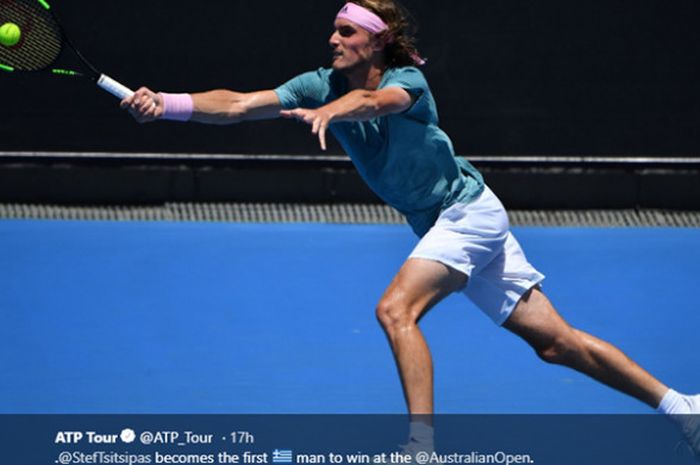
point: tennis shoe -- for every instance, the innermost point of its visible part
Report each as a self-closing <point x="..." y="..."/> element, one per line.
<point x="421" y="453"/>
<point x="690" y="426"/>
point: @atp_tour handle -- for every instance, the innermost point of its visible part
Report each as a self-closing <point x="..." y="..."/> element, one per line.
<point x="113" y="87"/>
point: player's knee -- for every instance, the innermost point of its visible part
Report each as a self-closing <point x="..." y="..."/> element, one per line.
<point x="559" y="350"/>
<point x="394" y="315"/>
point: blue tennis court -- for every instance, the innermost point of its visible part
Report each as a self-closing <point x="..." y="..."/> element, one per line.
<point x="171" y="317"/>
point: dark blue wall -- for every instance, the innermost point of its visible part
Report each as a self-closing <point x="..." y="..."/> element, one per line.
<point x="510" y="76"/>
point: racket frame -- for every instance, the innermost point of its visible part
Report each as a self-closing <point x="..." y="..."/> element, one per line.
<point x="102" y="80"/>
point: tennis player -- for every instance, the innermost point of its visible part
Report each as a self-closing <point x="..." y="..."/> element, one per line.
<point x="378" y="105"/>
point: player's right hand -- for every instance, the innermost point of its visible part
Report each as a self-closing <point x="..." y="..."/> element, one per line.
<point x="145" y="105"/>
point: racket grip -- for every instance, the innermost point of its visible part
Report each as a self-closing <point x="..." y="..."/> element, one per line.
<point x="113" y="87"/>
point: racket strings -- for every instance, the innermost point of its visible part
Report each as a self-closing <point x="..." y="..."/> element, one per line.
<point x="40" y="41"/>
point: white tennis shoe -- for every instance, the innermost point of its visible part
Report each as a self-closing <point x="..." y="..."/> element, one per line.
<point x="421" y="453"/>
<point x="690" y="426"/>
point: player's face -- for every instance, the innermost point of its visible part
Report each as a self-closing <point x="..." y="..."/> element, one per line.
<point x="352" y="45"/>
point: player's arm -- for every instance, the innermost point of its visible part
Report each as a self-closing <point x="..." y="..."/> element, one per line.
<point x="228" y="107"/>
<point x="212" y="107"/>
<point x="358" y="105"/>
<point x="363" y="105"/>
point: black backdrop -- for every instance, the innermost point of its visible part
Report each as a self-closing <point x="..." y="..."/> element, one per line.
<point x="510" y="76"/>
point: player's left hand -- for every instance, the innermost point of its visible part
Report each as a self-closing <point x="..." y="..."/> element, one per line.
<point x="319" y="120"/>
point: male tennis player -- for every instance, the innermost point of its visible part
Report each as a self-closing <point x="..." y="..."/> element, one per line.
<point x="378" y="105"/>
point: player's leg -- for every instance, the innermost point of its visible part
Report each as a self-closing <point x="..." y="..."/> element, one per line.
<point x="555" y="341"/>
<point x="464" y="239"/>
<point x="507" y="290"/>
<point x="417" y="287"/>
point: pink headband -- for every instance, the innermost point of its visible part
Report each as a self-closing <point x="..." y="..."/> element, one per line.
<point x="363" y="18"/>
<point x="370" y="22"/>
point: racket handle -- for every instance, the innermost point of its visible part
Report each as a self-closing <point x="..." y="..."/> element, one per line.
<point x="113" y="87"/>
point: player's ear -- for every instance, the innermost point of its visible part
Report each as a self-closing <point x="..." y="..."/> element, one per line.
<point x="378" y="42"/>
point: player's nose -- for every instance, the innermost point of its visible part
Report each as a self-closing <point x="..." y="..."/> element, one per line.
<point x="334" y="40"/>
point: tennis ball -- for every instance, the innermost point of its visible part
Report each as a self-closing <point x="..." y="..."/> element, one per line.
<point x="9" y="34"/>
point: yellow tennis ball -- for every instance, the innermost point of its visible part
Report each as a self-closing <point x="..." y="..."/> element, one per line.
<point x="10" y="34"/>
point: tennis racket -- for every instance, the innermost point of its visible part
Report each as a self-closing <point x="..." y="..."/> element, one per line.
<point x="32" y="39"/>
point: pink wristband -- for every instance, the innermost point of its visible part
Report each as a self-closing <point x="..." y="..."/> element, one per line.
<point x="177" y="107"/>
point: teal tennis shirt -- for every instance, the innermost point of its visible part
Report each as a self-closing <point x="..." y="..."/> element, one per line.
<point x="406" y="159"/>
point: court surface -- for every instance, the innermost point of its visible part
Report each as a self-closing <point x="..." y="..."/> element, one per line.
<point x="166" y="317"/>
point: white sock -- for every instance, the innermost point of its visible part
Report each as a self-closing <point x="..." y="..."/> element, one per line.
<point x="674" y="403"/>
<point x="421" y="432"/>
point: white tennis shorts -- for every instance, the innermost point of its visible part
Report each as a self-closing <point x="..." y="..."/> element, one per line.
<point x="475" y="239"/>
